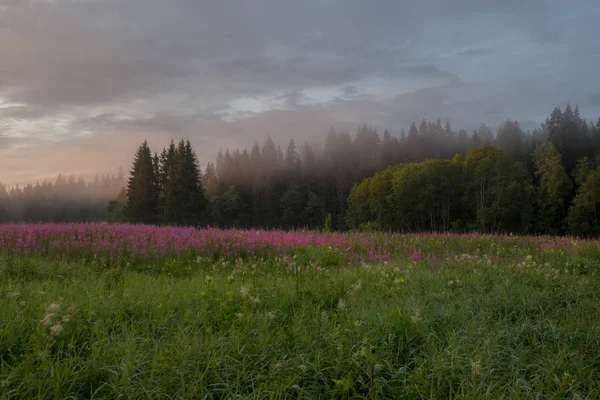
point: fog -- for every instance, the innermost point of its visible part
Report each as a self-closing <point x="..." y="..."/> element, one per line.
<point x="82" y="83"/>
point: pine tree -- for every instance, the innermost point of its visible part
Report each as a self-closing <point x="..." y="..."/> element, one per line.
<point x="194" y="204"/>
<point x="292" y="159"/>
<point x="210" y="180"/>
<point x="167" y="200"/>
<point x="269" y="156"/>
<point x="184" y="198"/>
<point x="388" y="149"/>
<point x="142" y="194"/>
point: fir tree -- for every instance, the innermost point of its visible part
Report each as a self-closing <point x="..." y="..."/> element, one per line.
<point x="142" y="194"/>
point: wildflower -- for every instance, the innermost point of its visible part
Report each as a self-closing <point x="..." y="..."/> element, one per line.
<point x="279" y="365"/>
<point x="56" y="329"/>
<point x="341" y="305"/>
<point x="48" y="318"/>
<point x="324" y="315"/>
<point x="43" y="355"/>
<point x="270" y="316"/>
<point x="377" y="368"/>
<point x="255" y="300"/>
<point x="416" y="319"/>
<point x="475" y="369"/>
<point x="53" y="308"/>
<point x="244" y="291"/>
<point x="239" y="316"/>
<point x="358" y="323"/>
<point x="399" y="281"/>
<point x="360" y="353"/>
<point x="565" y="380"/>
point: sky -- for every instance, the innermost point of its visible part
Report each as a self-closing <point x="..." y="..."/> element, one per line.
<point x="84" y="82"/>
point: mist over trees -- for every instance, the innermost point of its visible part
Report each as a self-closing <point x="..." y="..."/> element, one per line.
<point x="430" y="177"/>
<point x="66" y="199"/>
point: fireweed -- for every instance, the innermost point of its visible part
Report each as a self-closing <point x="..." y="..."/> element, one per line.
<point x="134" y="245"/>
<point x="117" y="311"/>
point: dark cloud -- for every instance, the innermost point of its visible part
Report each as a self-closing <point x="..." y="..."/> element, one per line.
<point x="291" y="99"/>
<point x="475" y="52"/>
<point x="350" y="92"/>
<point x="51" y="59"/>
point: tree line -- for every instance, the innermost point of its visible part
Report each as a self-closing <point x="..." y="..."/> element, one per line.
<point x="431" y="178"/>
<point x="554" y="189"/>
<point x="66" y="199"/>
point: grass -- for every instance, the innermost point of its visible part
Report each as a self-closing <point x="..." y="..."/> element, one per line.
<point x="526" y="326"/>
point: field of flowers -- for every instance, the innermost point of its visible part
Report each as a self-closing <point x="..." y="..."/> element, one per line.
<point x="107" y="311"/>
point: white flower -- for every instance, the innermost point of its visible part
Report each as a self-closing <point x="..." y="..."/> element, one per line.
<point x="47" y="321"/>
<point x="416" y="318"/>
<point x="377" y="368"/>
<point x="475" y="369"/>
<point x="56" y="329"/>
<point x="53" y="308"/>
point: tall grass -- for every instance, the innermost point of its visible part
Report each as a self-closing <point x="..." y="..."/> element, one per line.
<point x="480" y="318"/>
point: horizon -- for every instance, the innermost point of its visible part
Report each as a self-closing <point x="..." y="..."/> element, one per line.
<point x="317" y="143"/>
<point x="83" y="82"/>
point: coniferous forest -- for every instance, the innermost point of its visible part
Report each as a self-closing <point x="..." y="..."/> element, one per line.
<point x="66" y="199"/>
<point x="430" y="178"/>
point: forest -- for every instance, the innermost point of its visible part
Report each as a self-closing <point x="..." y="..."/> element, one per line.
<point x="66" y="199"/>
<point x="431" y="178"/>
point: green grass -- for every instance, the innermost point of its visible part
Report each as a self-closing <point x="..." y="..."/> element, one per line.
<point x="526" y="328"/>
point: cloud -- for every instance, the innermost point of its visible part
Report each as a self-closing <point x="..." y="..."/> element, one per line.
<point x="51" y="59"/>
<point x="97" y="76"/>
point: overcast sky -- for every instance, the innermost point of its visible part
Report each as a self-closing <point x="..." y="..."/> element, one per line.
<point x="83" y="82"/>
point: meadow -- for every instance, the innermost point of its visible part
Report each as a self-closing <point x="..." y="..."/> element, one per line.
<point x="142" y="312"/>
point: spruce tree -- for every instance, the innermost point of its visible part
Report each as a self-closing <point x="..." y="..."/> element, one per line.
<point x="168" y="200"/>
<point x="292" y="158"/>
<point x="183" y="198"/>
<point x="142" y="193"/>
<point x="194" y="201"/>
